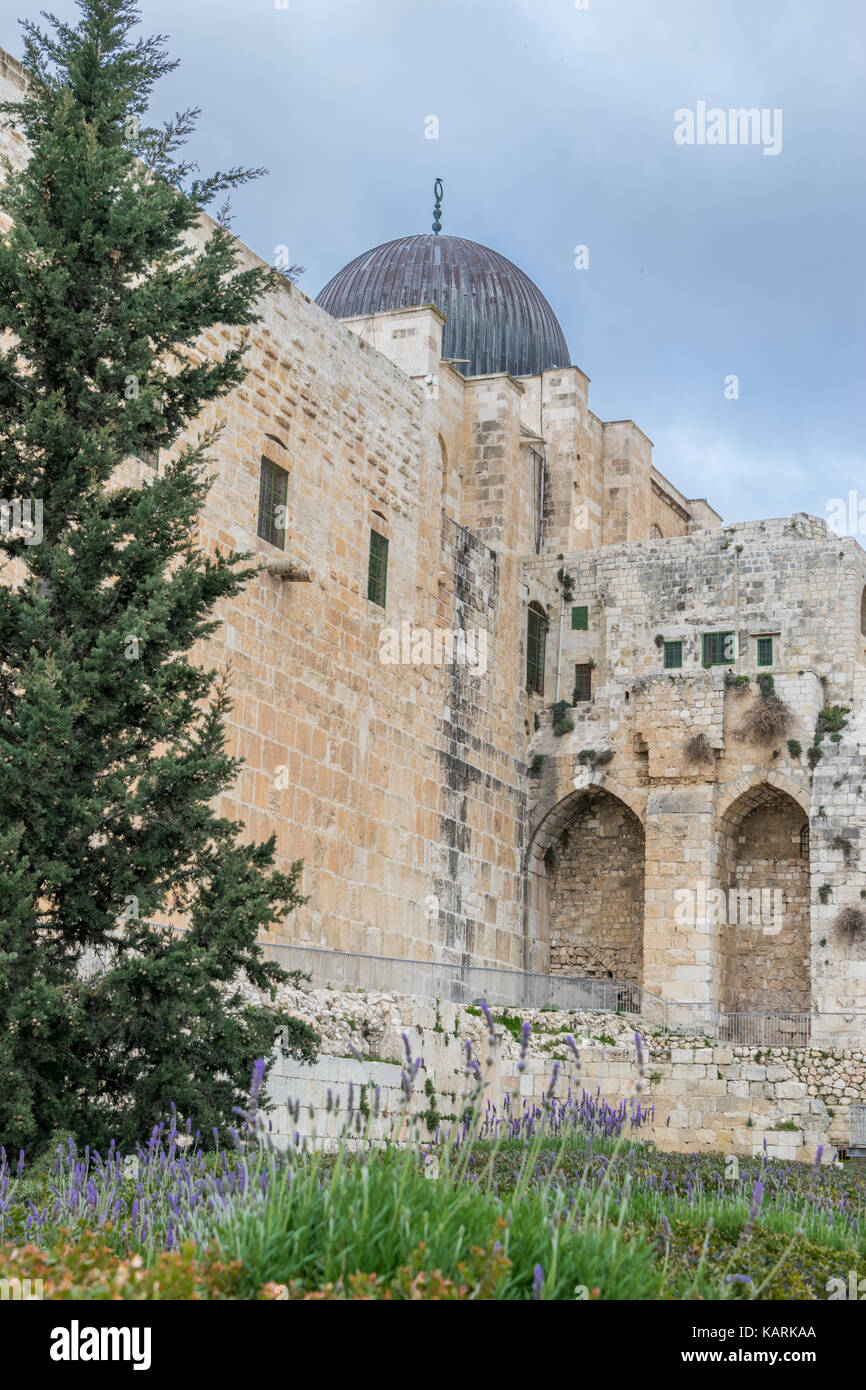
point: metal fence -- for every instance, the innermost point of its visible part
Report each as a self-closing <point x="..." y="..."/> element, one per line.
<point x="460" y="984"/>
<point x="467" y="984"/>
<point x="857" y="1127"/>
<point x="769" y="1028"/>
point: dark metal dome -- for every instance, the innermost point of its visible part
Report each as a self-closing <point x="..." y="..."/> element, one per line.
<point x="496" y="317"/>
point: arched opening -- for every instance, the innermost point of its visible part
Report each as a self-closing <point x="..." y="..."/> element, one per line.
<point x="764" y="931"/>
<point x="655" y="533"/>
<point x="595" y="891"/>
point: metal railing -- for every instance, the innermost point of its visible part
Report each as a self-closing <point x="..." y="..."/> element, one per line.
<point x="467" y="984"/>
<point x="462" y="984"/>
<point x="768" y="1028"/>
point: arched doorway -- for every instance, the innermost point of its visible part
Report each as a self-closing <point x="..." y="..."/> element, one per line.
<point x="765" y="938"/>
<point x="592" y="863"/>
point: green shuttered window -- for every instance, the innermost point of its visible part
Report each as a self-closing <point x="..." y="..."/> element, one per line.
<point x="377" y="576"/>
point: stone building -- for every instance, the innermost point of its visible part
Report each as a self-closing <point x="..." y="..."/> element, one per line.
<point x="490" y="683"/>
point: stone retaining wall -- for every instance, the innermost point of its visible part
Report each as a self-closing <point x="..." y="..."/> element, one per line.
<point x="732" y="1099"/>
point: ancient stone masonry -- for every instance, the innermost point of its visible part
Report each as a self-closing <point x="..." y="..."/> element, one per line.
<point x="700" y="1095"/>
<point x="513" y="697"/>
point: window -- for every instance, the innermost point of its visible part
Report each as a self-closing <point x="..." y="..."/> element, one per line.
<point x="582" y="683"/>
<point x="673" y="656"/>
<point x="273" y="491"/>
<point x="536" y="635"/>
<point x="655" y="534"/>
<point x="579" y="619"/>
<point x="718" y="649"/>
<point x="377" y="575"/>
<point x="863" y="614"/>
<point x="765" y="651"/>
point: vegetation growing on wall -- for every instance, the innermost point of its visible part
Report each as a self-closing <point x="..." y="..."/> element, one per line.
<point x="768" y="717"/>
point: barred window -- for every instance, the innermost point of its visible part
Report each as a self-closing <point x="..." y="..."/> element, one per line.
<point x="377" y="571"/>
<point x="673" y="656"/>
<point x="582" y="683"/>
<point x="718" y="649"/>
<point x="273" y="491"/>
<point x="765" y="651"/>
<point x="536" y="636"/>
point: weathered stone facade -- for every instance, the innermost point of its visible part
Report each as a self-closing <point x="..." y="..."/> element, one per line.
<point x="437" y="812"/>
<point x="785" y="1102"/>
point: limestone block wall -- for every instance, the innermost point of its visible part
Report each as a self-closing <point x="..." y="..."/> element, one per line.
<point x="399" y="785"/>
<point x="790" y="579"/>
<point x="703" y="1098"/>
<point x="626" y="472"/>
<point x="597" y="893"/>
<point x="767" y="938"/>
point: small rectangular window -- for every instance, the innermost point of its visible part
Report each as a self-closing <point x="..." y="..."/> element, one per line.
<point x="582" y="683"/>
<point x="718" y="649"/>
<point x="377" y="574"/>
<point x="536" y="634"/>
<point x="580" y="619"/>
<point x="673" y="656"/>
<point x="273" y="492"/>
<point x="765" y="651"/>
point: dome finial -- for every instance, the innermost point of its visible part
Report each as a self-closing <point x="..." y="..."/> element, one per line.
<point x="437" y="211"/>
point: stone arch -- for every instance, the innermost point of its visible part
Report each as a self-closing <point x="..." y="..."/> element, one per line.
<point x="754" y="782"/>
<point x="764" y="874"/>
<point x="549" y="825"/>
<point x="585" y="885"/>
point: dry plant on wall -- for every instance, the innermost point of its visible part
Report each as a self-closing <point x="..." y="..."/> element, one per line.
<point x="767" y="719"/>
<point x="850" y="924"/>
<point x="697" y="749"/>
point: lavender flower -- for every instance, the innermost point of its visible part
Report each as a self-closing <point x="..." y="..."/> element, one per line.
<point x="757" y="1198"/>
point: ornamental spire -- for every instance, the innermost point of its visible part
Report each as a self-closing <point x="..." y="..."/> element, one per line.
<point x="437" y="210"/>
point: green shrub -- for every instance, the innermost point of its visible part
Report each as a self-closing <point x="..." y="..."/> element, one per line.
<point x="561" y="722"/>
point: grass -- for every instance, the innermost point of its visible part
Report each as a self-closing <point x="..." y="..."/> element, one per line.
<point x="556" y="1201"/>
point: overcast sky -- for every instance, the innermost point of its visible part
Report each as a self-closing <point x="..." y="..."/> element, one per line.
<point x="556" y="130"/>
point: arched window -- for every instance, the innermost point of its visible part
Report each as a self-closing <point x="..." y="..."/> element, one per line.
<point x="655" y="534"/>
<point x="536" y="638"/>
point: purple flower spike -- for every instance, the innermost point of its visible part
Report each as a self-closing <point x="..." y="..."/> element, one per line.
<point x="259" y="1069"/>
<point x="537" y="1282"/>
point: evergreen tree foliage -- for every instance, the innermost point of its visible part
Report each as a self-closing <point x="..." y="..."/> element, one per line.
<point x="112" y="739"/>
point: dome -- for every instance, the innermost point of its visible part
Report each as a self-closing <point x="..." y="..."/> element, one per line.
<point x="495" y="316"/>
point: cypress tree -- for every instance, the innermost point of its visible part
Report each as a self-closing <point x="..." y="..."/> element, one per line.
<point x="112" y="739"/>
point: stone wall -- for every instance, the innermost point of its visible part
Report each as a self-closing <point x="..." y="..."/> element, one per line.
<point x="678" y="755"/>
<point x="766" y="939"/>
<point x="705" y="1097"/>
<point x="597" y="892"/>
